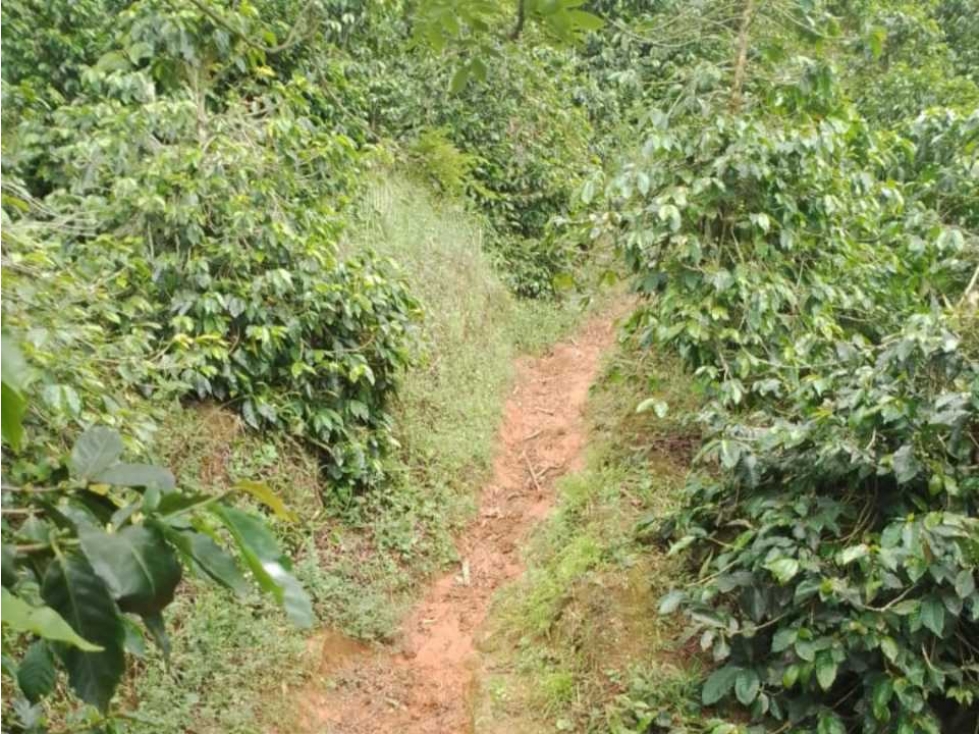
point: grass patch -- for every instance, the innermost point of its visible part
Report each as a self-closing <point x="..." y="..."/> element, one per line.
<point x="233" y="663"/>
<point x="576" y="643"/>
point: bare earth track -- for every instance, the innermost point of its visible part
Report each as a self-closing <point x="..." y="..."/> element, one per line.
<point x="424" y="684"/>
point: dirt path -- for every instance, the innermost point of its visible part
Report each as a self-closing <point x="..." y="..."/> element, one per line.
<point x="424" y="685"/>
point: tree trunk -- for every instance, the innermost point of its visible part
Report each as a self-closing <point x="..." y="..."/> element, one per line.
<point x="741" y="60"/>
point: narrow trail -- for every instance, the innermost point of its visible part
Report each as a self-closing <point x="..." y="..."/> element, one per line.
<point x="424" y="685"/>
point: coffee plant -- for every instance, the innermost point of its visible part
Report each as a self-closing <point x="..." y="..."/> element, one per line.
<point x="802" y="235"/>
<point x="92" y="558"/>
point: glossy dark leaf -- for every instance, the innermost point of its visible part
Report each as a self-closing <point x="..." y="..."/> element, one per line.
<point x="270" y="568"/>
<point x="73" y="589"/>
<point x="209" y="557"/>
<point x="36" y="672"/>
<point x="719" y="684"/>
<point x="137" y="565"/>
<point x="42" y="621"/>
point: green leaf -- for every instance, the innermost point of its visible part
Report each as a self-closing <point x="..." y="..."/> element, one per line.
<point x="157" y="629"/>
<point x="584" y="21"/>
<point x="209" y="557"/>
<point x="264" y="494"/>
<point x="719" y="684"/>
<point x="888" y="646"/>
<point x="905" y="465"/>
<point x="825" y="670"/>
<point x="459" y="80"/>
<point x="830" y="723"/>
<point x="881" y="697"/>
<point x="853" y="553"/>
<point x="136" y="564"/>
<point x="671" y="602"/>
<point x="746" y="686"/>
<point x="8" y="569"/>
<point x="95" y="451"/>
<point x="784" y="569"/>
<point x="267" y="564"/>
<point x="42" y="621"/>
<point x="36" y="673"/>
<point x="75" y="591"/>
<point x="137" y="475"/>
<point x="13" y="383"/>
<point x="965" y="583"/>
<point x="933" y="615"/>
<point x="784" y="639"/>
<point x="13" y="408"/>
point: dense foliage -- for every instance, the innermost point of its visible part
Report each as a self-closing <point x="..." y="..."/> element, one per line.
<point x="178" y="178"/>
<point x="808" y="247"/>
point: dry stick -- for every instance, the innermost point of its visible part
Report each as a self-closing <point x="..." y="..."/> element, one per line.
<point x="530" y="468"/>
<point x="741" y="63"/>
<point x="968" y="289"/>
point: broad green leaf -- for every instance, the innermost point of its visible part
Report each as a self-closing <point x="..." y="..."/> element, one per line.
<point x="264" y="494"/>
<point x="746" y="686"/>
<point x="933" y="614"/>
<point x="585" y="21"/>
<point x="784" y="569"/>
<point x="137" y="475"/>
<point x="95" y="451"/>
<point x="888" y="646"/>
<point x="825" y="670"/>
<point x="965" y="583"/>
<point x="719" y="684"/>
<point x="75" y="591"/>
<point x="784" y="639"/>
<point x="830" y="723"/>
<point x="853" y="553"/>
<point x="209" y="557"/>
<point x="36" y="673"/>
<point x="906" y="467"/>
<point x="44" y="622"/>
<point x="267" y="564"/>
<point x="881" y="697"/>
<point x="137" y="565"/>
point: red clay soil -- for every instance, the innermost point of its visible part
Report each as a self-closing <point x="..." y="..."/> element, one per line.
<point x="424" y="685"/>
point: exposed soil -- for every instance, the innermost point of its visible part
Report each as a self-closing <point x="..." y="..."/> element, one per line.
<point x="424" y="683"/>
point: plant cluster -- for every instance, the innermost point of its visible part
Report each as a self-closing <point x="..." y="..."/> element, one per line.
<point x="101" y="547"/>
<point x="811" y="256"/>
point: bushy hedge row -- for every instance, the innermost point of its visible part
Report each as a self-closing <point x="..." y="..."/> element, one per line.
<point x="815" y="273"/>
<point x="169" y="233"/>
